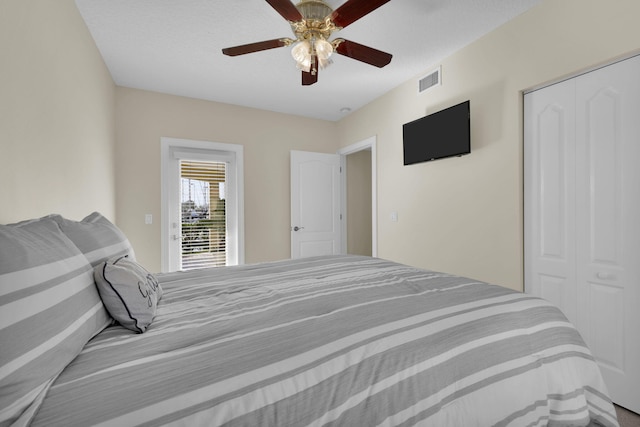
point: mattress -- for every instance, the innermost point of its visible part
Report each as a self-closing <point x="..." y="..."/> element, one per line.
<point x="338" y="340"/>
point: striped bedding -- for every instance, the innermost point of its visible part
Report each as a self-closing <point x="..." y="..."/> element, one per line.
<point x="339" y="340"/>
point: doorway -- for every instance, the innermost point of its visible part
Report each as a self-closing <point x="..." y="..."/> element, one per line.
<point x="202" y="204"/>
<point x="358" y="206"/>
<point x="359" y="198"/>
<point x="365" y="183"/>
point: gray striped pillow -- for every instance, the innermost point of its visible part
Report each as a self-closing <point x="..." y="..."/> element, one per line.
<point x="49" y="309"/>
<point x="96" y="237"/>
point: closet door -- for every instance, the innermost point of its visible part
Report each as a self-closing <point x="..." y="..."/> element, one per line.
<point x="608" y="206"/>
<point x="549" y="205"/>
<point x="582" y="213"/>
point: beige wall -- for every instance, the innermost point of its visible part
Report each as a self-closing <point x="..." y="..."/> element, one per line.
<point x="145" y="117"/>
<point x="56" y="114"/>
<point x="464" y="215"/>
<point x="359" y="203"/>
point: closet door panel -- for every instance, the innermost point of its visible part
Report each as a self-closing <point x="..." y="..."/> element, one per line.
<point x="608" y="207"/>
<point x="598" y="197"/>
<point x="602" y="168"/>
<point x="549" y="196"/>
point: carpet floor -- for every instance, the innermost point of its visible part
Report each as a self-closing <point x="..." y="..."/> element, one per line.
<point x="627" y="418"/>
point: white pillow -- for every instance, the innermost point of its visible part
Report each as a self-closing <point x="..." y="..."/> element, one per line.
<point x="96" y="237"/>
<point x="129" y="292"/>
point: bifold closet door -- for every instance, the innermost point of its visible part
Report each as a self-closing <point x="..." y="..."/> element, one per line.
<point x="550" y="209"/>
<point x="582" y="211"/>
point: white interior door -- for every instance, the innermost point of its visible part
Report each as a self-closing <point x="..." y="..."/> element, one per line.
<point x="549" y="205"/>
<point x="582" y="204"/>
<point x="608" y="198"/>
<point x="315" y="204"/>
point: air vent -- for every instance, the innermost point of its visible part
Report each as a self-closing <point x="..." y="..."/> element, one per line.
<point x="430" y="80"/>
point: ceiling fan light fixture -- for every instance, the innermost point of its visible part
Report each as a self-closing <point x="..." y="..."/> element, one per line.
<point x="303" y="52"/>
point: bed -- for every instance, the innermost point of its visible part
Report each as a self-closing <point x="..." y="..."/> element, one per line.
<point x="336" y="340"/>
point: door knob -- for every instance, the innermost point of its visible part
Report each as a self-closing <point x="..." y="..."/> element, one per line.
<point x="296" y="228"/>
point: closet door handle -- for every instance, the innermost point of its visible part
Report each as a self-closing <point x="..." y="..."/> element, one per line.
<point x="605" y="276"/>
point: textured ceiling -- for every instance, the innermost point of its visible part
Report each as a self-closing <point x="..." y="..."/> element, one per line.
<point x="175" y="47"/>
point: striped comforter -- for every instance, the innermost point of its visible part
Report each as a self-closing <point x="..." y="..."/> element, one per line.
<point x="339" y="340"/>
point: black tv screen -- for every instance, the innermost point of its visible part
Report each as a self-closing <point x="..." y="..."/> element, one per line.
<point x="445" y="133"/>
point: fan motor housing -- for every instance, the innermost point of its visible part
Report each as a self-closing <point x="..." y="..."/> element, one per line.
<point x="314" y="9"/>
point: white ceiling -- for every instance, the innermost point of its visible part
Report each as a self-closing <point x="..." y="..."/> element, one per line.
<point x="175" y="47"/>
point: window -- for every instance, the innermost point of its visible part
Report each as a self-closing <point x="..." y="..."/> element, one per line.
<point x="203" y="214"/>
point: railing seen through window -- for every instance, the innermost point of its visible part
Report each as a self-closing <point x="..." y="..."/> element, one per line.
<point x="204" y="225"/>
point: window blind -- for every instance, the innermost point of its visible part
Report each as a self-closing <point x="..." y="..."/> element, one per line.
<point x="203" y="213"/>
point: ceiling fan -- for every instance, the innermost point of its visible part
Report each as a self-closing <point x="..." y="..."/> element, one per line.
<point x="313" y="22"/>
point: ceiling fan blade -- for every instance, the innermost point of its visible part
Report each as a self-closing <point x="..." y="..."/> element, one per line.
<point x="364" y="53"/>
<point x="286" y="9"/>
<point x="254" y="47"/>
<point x="309" y="78"/>
<point x="353" y="10"/>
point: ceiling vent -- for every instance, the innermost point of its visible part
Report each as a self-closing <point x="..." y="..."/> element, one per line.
<point x="430" y="80"/>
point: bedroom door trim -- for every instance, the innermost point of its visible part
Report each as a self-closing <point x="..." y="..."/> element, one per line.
<point x="366" y="144"/>
<point x="235" y="206"/>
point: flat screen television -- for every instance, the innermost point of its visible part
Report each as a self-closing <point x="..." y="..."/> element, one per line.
<point x="446" y="133"/>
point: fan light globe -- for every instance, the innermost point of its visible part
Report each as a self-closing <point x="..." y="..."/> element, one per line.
<point x="301" y="52"/>
<point x="324" y="49"/>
